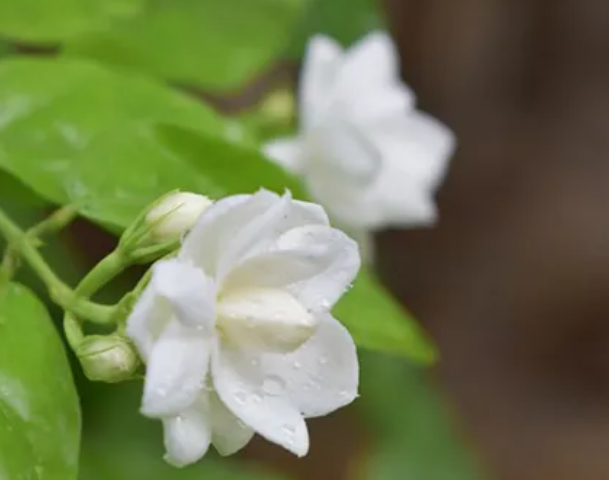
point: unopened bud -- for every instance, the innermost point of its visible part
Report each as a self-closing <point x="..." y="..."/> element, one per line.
<point x="175" y="214"/>
<point x="110" y="359"/>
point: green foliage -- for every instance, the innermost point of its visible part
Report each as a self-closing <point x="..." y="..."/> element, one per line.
<point x="39" y="412"/>
<point x="377" y="322"/>
<point x="44" y="21"/>
<point x="120" y="444"/>
<point x="211" y="44"/>
<point x="413" y="425"/>
<point x="344" y="20"/>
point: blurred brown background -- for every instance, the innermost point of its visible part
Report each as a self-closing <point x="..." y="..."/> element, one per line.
<point x="514" y="282"/>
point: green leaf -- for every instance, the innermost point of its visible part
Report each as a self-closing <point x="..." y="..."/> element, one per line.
<point x="152" y="160"/>
<point x="120" y="444"/>
<point x="213" y="44"/>
<point x="378" y="322"/>
<point x="51" y="110"/>
<point x="39" y="410"/>
<point x="44" y="21"/>
<point x="413" y="425"/>
<point x="330" y="18"/>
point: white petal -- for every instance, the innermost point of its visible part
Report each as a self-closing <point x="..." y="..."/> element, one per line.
<point x="149" y="317"/>
<point x="266" y="319"/>
<point x="229" y="434"/>
<point x="417" y="145"/>
<point x="218" y="225"/>
<point x="258" y="235"/>
<point x="340" y="151"/>
<point x="323" y="374"/>
<point x="369" y="80"/>
<point x="176" y="371"/>
<point x="187" y="437"/>
<point x="320" y="69"/>
<point x="315" y="263"/>
<point x="189" y="292"/>
<point x="285" y="152"/>
<point x="258" y="401"/>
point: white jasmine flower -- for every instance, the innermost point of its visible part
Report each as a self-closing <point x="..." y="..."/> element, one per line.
<point x="173" y="215"/>
<point x="237" y="332"/>
<point x="363" y="149"/>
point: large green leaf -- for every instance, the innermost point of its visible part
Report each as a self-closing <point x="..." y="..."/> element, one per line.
<point x="378" y="322"/>
<point x="152" y="160"/>
<point x="120" y="444"/>
<point x="215" y="44"/>
<point x="39" y="411"/>
<point x="51" y="110"/>
<point x="50" y="21"/>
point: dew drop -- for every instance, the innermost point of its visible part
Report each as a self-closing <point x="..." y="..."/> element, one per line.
<point x="297" y="365"/>
<point x="323" y="360"/>
<point x="289" y="431"/>
<point x="240" y="397"/>
<point x="256" y="398"/>
<point x="273" y="386"/>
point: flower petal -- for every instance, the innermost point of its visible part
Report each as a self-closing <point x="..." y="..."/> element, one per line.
<point x="229" y="434"/>
<point x="285" y="152"/>
<point x="369" y="81"/>
<point x="203" y="244"/>
<point x="262" y="231"/>
<point x="321" y="66"/>
<point x="189" y="292"/>
<point x="257" y="401"/>
<point x="314" y="263"/>
<point x="149" y="317"/>
<point x="323" y="374"/>
<point x="417" y="145"/>
<point x="187" y="436"/>
<point x="176" y="371"/>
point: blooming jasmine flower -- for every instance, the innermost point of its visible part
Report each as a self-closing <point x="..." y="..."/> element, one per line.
<point x="236" y="330"/>
<point x="363" y="149"/>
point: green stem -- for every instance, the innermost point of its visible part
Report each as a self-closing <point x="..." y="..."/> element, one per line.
<point x="102" y="273"/>
<point x="53" y="223"/>
<point x="59" y="292"/>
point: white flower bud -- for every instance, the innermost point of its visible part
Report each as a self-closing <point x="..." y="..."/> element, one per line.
<point x="262" y="318"/>
<point x="173" y="215"/>
<point x="110" y="359"/>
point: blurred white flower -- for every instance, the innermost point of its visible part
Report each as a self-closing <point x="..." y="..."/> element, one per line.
<point x="237" y="333"/>
<point x="363" y="149"/>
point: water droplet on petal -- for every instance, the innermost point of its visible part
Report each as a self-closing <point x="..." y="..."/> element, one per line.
<point x="240" y="397"/>
<point x="297" y="365"/>
<point x="323" y="360"/>
<point x="256" y="398"/>
<point x="273" y="386"/>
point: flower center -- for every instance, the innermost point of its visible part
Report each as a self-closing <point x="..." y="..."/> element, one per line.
<point x="264" y="319"/>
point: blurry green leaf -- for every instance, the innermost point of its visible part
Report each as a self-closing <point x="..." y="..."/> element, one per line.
<point x="39" y="411"/>
<point x="50" y="110"/>
<point x="214" y="44"/>
<point x="50" y="21"/>
<point x="120" y="444"/>
<point x="344" y="20"/>
<point x="378" y="322"/>
<point x="414" y="427"/>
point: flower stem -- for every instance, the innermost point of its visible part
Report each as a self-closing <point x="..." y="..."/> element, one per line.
<point x="102" y="273"/>
<point x="59" y="292"/>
